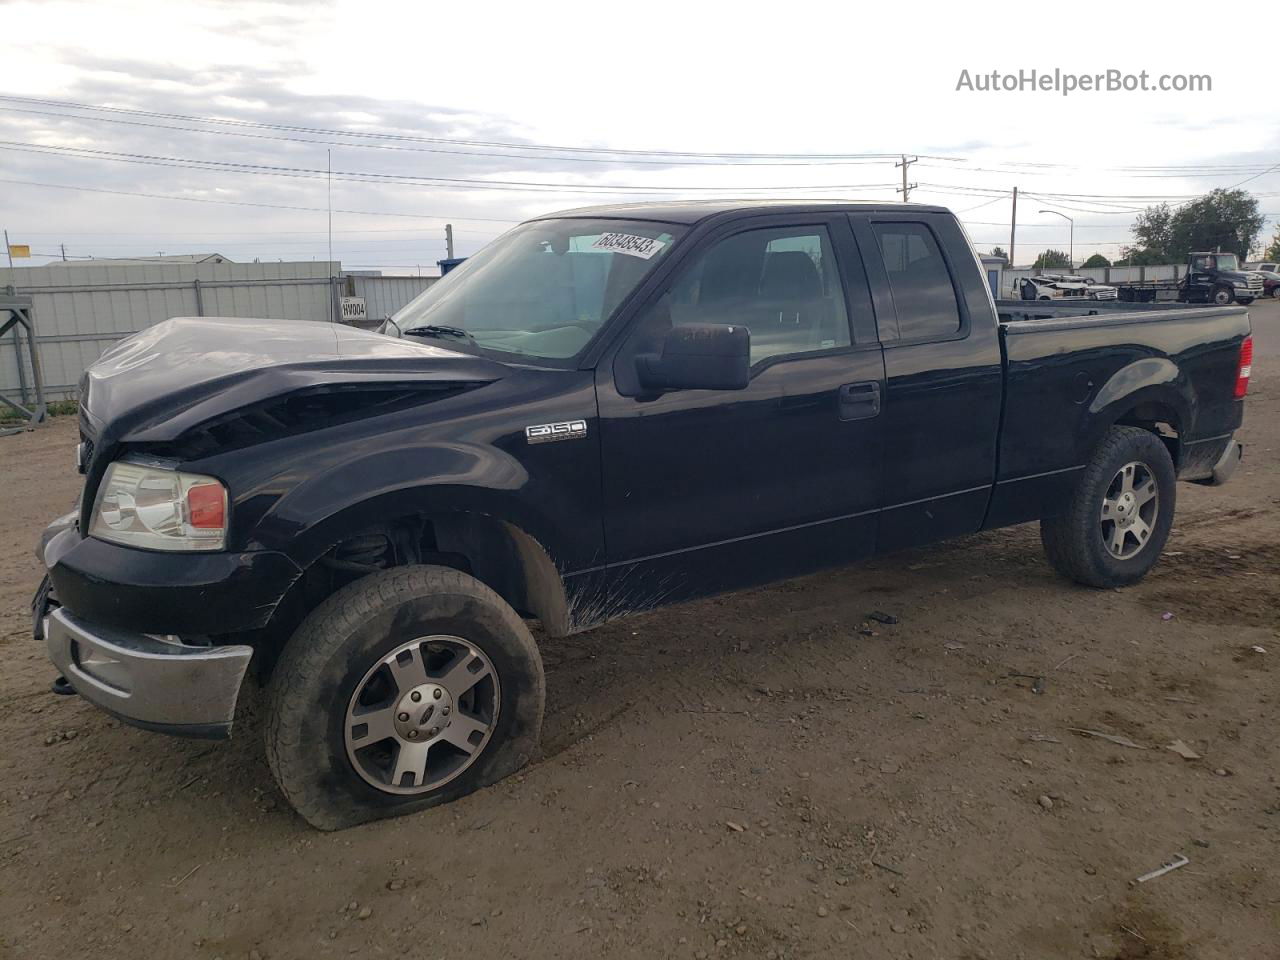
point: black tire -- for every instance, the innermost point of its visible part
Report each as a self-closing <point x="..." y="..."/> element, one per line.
<point x="1275" y="293"/>
<point x="1074" y="540"/>
<point x="329" y="657"/>
<point x="1244" y="301"/>
<point x="1222" y="296"/>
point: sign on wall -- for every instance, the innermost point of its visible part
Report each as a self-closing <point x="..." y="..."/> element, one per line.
<point x="352" y="310"/>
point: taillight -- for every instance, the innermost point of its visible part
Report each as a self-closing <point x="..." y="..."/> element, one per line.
<point x="1246" y="367"/>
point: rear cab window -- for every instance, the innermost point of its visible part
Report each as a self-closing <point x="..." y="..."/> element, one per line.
<point x="920" y="281"/>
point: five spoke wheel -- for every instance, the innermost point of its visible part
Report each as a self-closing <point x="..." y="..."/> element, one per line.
<point x="422" y="714"/>
<point x="1129" y="510"/>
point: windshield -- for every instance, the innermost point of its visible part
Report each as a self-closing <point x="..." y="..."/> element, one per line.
<point x="542" y="290"/>
<point x="1228" y="261"/>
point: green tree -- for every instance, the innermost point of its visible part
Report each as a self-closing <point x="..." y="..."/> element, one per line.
<point x="1226" y="220"/>
<point x="1272" y="253"/>
<point x="1097" y="260"/>
<point x="1052" y="259"/>
<point x="1135" y="257"/>
<point x="999" y="252"/>
<point x="1153" y="230"/>
<point x="1222" y="219"/>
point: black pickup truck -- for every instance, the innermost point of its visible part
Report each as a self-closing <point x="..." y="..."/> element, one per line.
<point x="604" y="411"/>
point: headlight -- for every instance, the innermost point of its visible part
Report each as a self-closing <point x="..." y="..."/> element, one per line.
<point x="160" y="509"/>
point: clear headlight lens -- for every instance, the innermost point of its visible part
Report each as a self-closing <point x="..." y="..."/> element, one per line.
<point x="160" y="509"/>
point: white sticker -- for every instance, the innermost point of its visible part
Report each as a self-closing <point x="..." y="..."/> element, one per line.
<point x="628" y="243"/>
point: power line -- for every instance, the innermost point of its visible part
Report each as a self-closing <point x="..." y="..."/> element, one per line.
<point x="356" y="176"/>
<point x="251" y="203"/>
<point x="441" y="150"/>
<point x="297" y="128"/>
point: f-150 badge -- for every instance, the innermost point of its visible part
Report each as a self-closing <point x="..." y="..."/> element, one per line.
<point x="549" y="432"/>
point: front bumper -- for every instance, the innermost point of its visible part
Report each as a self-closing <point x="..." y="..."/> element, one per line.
<point x="153" y="683"/>
<point x="145" y="591"/>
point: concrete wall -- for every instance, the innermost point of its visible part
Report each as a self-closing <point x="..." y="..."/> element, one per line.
<point x="81" y="310"/>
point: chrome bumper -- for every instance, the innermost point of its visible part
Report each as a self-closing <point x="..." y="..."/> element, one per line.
<point x="151" y="683"/>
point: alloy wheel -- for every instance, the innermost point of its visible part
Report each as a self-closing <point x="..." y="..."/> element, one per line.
<point x="1129" y="510"/>
<point x="422" y="715"/>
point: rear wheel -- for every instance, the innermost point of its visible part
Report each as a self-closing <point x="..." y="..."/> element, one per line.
<point x="1275" y="292"/>
<point x="1119" y="516"/>
<point x="403" y="690"/>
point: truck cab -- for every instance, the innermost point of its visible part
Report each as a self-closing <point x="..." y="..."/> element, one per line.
<point x="1218" y="278"/>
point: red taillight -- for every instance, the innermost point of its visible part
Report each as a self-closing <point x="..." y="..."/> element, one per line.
<point x="207" y="506"/>
<point x="1245" y="368"/>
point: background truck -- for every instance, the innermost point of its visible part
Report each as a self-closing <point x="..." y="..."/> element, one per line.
<point x="604" y="411"/>
<point x="1210" y="278"/>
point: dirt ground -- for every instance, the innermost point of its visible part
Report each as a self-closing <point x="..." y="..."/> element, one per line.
<point x="748" y="776"/>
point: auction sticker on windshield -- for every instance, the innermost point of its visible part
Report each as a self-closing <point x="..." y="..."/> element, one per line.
<point x="630" y="244"/>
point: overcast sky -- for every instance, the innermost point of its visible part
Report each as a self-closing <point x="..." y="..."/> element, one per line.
<point x="795" y="79"/>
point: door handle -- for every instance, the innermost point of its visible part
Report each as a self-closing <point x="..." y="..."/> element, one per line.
<point x="860" y="401"/>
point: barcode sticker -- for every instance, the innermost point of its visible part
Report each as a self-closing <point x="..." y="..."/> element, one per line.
<point x="628" y="243"/>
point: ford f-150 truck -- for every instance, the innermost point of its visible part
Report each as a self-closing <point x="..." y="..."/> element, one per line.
<point x="604" y="411"/>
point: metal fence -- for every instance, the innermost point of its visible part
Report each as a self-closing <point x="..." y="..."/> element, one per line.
<point x="80" y="310"/>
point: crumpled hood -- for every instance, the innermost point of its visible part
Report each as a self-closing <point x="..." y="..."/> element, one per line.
<point x="158" y="383"/>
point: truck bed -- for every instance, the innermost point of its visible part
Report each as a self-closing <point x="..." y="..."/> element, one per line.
<point x="1067" y="365"/>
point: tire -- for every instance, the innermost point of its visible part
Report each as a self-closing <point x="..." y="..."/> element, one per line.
<point x="1046" y="298"/>
<point x="1275" y="292"/>
<point x="1222" y="296"/>
<point x="348" y="674"/>
<point x="1244" y="301"/>
<point x="1079" y="542"/>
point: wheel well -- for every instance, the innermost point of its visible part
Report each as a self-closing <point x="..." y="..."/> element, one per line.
<point x="499" y="554"/>
<point x="1160" y="419"/>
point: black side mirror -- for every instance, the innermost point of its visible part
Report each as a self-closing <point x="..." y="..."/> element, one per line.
<point x="699" y="356"/>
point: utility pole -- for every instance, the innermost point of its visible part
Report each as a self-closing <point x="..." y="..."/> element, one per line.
<point x="7" y="249"/>
<point x="906" y="187"/>
<point x="329" y="156"/>
<point x="448" y="240"/>
<point x="1013" y="226"/>
<point x="64" y="252"/>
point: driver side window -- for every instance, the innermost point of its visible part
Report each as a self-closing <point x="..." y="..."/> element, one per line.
<point x="780" y="283"/>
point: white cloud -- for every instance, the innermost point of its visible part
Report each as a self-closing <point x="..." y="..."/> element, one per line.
<point x="800" y="77"/>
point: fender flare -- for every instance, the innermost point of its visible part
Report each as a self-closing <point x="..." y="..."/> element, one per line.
<point x="1151" y="383"/>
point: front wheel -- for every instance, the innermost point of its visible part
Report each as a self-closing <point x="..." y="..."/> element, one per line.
<point x="1222" y="296"/>
<point x="1119" y="516"/>
<point x="408" y="688"/>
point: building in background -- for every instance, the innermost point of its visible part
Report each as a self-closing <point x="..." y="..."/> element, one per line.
<point x="993" y="269"/>
<point x="82" y="307"/>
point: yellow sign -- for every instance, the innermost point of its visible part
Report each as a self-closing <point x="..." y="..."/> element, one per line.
<point x="19" y="250"/>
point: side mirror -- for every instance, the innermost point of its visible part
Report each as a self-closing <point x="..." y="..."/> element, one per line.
<point x="699" y="356"/>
